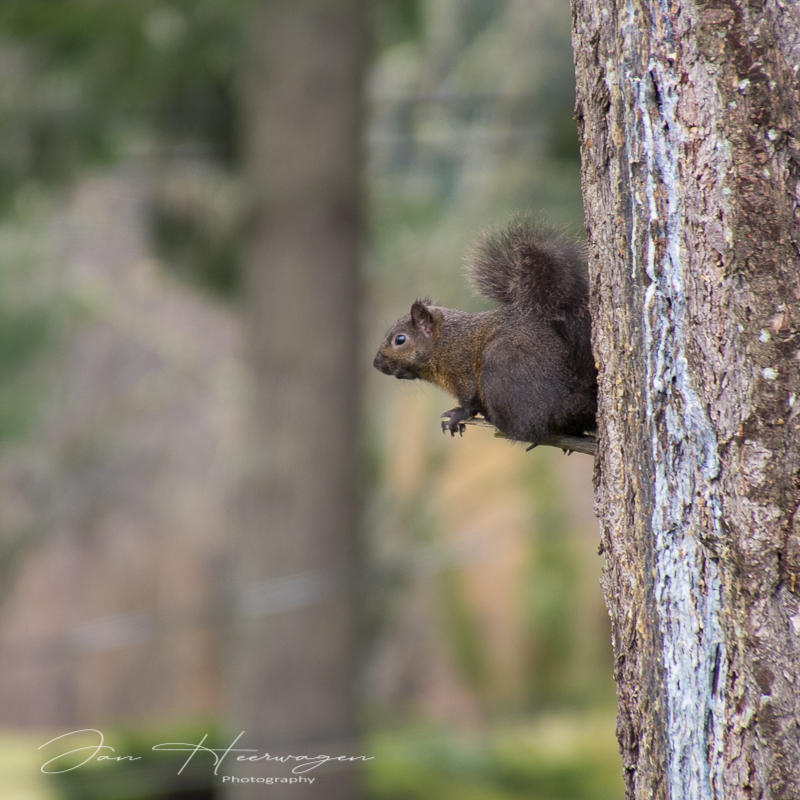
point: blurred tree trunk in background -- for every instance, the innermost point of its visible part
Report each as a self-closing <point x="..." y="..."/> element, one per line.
<point x="690" y="134"/>
<point x="292" y="682"/>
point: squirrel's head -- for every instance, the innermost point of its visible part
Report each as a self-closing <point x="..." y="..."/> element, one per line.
<point x="408" y="345"/>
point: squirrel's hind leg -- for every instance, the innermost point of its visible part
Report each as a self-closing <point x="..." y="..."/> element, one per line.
<point x="522" y="399"/>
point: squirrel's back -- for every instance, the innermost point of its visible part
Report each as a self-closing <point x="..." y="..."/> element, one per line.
<point x="531" y="265"/>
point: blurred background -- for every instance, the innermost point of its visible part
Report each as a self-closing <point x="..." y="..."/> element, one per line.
<point x="482" y="666"/>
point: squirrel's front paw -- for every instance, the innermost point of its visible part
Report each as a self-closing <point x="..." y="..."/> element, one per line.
<point x="451" y="421"/>
<point x="453" y="427"/>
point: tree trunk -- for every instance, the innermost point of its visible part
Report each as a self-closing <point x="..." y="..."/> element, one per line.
<point x="293" y="675"/>
<point x="690" y="137"/>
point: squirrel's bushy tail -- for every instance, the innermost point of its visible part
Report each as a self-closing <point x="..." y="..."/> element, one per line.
<point x="530" y="264"/>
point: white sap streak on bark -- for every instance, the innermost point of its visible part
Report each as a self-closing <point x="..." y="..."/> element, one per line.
<point x="687" y="583"/>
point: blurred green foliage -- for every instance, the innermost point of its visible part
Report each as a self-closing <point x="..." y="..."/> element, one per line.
<point x="461" y="627"/>
<point x="99" y="69"/>
<point x="198" y="250"/>
<point x="548" y="596"/>
<point x="23" y="332"/>
<point x="567" y="639"/>
<point x="28" y="327"/>
<point x="549" y="758"/>
<point x="396" y="21"/>
<point x="90" y="81"/>
<point x="153" y="777"/>
<point x="23" y="335"/>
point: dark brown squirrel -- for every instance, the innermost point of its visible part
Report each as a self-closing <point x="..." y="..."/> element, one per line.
<point x="526" y="365"/>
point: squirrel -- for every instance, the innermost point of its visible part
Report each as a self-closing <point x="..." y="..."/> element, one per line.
<point x="525" y="365"/>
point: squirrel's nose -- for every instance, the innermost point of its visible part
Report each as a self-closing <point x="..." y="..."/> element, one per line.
<point x="381" y="363"/>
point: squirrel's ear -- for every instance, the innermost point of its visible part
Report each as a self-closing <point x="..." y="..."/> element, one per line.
<point x="422" y="318"/>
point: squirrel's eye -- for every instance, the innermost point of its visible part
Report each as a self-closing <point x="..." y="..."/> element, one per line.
<point x="400" y="339"/>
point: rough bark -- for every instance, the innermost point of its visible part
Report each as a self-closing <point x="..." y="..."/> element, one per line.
<point x="293" y="675"/>
<point x="690" y="138"/>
